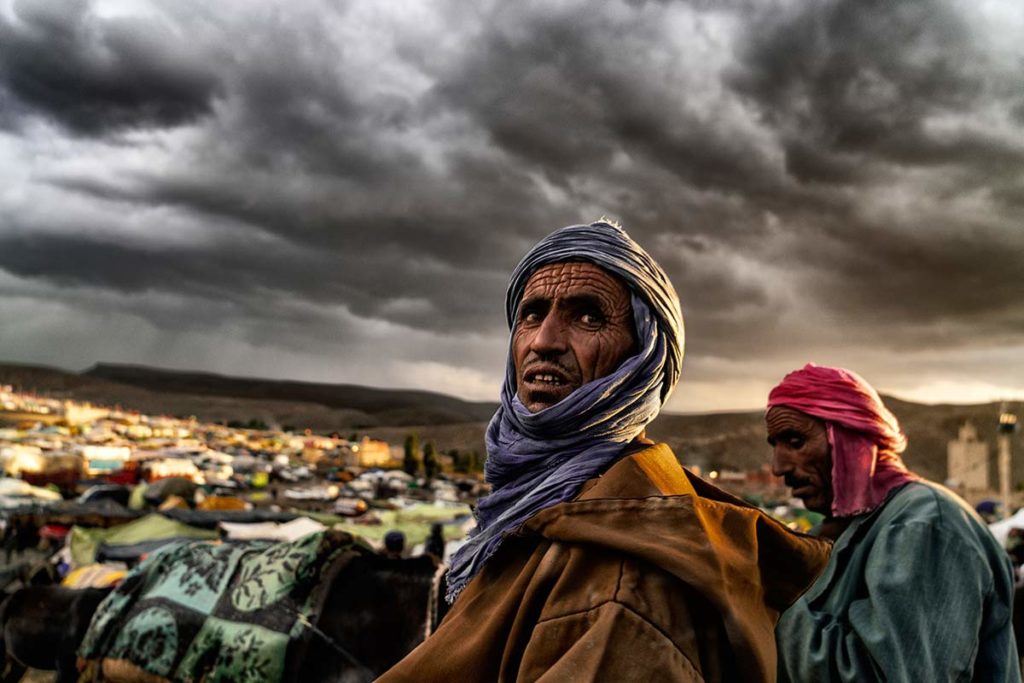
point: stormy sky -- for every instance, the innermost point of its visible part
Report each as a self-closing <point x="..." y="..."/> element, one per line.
<point x="338" y="191"/>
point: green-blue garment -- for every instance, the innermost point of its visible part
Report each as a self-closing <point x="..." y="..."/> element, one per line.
<point x="917" y="590"/>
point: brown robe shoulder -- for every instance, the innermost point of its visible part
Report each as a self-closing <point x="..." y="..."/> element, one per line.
<point x="650" y="574"/>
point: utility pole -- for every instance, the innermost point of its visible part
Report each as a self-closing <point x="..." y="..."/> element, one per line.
<point x="1007" y="426"/>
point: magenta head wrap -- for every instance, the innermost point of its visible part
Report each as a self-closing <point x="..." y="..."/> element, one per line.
<point x="865" y="437"/>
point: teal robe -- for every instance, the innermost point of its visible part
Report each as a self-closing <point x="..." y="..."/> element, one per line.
<point x="917" y="590"/>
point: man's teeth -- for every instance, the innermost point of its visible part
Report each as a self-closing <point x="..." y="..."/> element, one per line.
<point x="547" y="379"/>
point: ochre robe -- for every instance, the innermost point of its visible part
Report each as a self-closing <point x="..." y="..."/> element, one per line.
<point x="649" y="574"/>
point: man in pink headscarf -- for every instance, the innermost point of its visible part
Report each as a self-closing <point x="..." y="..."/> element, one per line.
<point x="916" y="588"/>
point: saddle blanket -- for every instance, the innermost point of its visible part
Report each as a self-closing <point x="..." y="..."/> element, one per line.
<point x="212" y="611"/>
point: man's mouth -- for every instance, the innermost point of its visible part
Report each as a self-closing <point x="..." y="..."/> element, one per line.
<point x="547" y="376"/>
<point x="544" y="385"/>
<point x="803" y="491"/>
<point x="544" y="378"/>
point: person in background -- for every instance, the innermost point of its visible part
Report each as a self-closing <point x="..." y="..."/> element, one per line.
<point x="394" y="544"/>
<point x="916" y="588"/>
<point x="597" y="556"/>
<point x="434" y="544"/>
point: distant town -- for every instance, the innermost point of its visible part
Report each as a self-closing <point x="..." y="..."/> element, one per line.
<point x="68" y="445"/>
<point x="50" y="439"/>
<point x="59" y="453"/>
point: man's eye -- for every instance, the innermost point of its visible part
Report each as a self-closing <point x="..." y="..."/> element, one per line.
<point x="796" y="443"/>
<point x="530" y="316"/>
<point x="592" y="319"/>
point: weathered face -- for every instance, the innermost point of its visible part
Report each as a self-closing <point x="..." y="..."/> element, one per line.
<point x="802" y="456"/>
<point x="574" y="325"/>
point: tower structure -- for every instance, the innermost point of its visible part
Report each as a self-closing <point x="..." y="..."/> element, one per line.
<point x="1006" y="429"/>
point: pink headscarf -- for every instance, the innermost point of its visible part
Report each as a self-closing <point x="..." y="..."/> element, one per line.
<point x="865" y="437"/>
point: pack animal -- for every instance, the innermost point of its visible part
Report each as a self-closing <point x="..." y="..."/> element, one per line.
<point x="378" y="609"/>
<point x="364" y="613"/>
<point x="42" y="627"/>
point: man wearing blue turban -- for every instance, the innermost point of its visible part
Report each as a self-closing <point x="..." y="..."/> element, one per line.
<point x="597" y="556"/>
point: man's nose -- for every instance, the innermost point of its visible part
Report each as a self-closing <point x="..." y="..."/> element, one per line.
<point x="781" y="464"/>
<point x="551" y="336"/>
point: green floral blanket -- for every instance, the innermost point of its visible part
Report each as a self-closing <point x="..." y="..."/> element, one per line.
<point x="219" y="611"/>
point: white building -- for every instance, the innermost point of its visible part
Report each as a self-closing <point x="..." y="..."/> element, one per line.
<point x="968" y="460"/>
<point x="103" y="459"/>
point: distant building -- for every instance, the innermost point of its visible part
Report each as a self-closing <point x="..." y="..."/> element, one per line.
<point x="372" y="453"/>
<point x="18" y="458"/>
<point x="83" y="413"/>
<point x="161" y="468"/>
<point x="968" y="460"/>
<point x="103" y="459"/>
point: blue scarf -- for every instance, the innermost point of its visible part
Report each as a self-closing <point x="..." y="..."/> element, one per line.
<point x="536" y="460"/>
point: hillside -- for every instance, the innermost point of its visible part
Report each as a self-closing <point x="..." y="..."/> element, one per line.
<point x="322" y="407"/>
<point x="711" y="441"/>
<point x="737" y="440"/>
<point x="390" y="406"/>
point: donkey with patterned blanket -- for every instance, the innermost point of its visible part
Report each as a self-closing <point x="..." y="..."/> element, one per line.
<point x="251" y="611"/>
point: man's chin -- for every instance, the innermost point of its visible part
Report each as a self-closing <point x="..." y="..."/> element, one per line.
<point x="809" y="498"/>
<point x="818" y="505"/>
<point x="541" y="399"/>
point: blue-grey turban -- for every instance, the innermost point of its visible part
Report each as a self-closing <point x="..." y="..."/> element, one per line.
<point x="536" y="460"/>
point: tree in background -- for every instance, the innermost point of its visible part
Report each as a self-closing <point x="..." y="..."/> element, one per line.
<point x="466" y="462"/>
<point x="458" y="461"/>
<point x="431" y="466"/>
<point x="474" y="463"/>
<point x="411" y="463"/>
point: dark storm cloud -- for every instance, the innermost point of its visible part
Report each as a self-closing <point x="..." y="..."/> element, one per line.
<point x="813" y="175"/>
<point x="250" y="276"/>
<point x="864" y="96"/>
<point x="421" y="270"/>
<point x="979" y="288"/>
<point x="61" y="61"/>
<point x="846" y="78"/>
<point x="568" y="90"/>
<point x="862" y="75"/>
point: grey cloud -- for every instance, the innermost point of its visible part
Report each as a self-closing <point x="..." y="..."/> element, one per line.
<point x="93" y="75"/>
<point x="896" y="280"/>
<point x="856" y="78"/>
<point x="374" y="282"/>
<point x="568" y="90"/>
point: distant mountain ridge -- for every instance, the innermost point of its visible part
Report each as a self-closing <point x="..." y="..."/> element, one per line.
<point x="213" y="397"/>
<point x="441" y="408"/>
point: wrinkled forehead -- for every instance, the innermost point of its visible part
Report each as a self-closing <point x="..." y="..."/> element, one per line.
<point x="575" y="278"/>
<point x="785" y="419"/>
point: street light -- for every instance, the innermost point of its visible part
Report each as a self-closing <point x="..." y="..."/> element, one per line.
<point x="1007" y="426"/>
